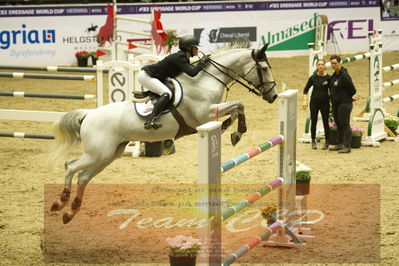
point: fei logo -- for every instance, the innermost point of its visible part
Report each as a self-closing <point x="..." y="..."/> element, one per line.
<point x="350" y="29"/>
<point x="24" y="36"/>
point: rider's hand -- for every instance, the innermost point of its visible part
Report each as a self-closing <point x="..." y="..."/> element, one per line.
<point x="201" y="64"/>
<point x="206" y="58"/>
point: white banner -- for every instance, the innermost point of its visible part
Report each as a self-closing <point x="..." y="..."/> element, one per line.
<point x="51" y="35"/>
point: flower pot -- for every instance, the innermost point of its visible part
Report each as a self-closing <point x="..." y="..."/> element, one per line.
<point x="93" y="60"/>
<point x="356" y="141"/>
<point x="302" y="187"/>
<point x="270" y="220"/>
<point x="153" y="149"/>
<point x="182" y="261"/>
<point x="82" y="61"/>
<point x="333" y="137"/>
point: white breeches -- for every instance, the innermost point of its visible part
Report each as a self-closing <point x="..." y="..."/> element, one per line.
<point x="153" y="84"/>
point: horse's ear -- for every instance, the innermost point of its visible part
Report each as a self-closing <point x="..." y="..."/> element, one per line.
<point x="260" y="54"/>
<point x="263" y="49"/>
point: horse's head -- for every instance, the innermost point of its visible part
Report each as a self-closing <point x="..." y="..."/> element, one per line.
<point x="262" y="78"/>
<point x="238" y="63"/>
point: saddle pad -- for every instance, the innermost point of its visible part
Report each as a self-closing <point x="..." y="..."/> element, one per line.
<point x="145" y="108"/>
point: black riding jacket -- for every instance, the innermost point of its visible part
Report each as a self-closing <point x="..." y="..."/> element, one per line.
<point x="320" y="85"/>
<point x="172" y="66"/>
<point x="342" y="88"/>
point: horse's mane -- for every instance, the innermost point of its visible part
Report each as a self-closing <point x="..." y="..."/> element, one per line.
<point x="241" y="43"/>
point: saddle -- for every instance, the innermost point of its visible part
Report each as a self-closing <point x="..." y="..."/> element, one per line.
<point x="144" y="106"/>
<point x="143" y="100"/>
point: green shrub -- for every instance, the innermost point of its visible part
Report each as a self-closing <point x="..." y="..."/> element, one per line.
<point x="392" y="123"/>
<point x="302" y="175"/>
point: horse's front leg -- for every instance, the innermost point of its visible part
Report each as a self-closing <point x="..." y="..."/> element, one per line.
<point x="236" y="110"/>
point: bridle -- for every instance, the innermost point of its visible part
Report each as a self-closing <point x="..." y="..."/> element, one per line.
<point x="256" y="89"/>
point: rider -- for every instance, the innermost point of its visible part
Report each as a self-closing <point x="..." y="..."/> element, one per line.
<point x="153" y="76"/>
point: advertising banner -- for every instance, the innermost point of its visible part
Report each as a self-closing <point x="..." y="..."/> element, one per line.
<point x="43" y="35"/>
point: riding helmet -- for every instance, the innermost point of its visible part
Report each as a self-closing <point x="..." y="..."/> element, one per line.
<point x="188" y="41"/>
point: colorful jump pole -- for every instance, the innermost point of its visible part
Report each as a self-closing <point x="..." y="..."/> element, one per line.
<point x="253" y="242"/>
<point x="251" y="153"/>
<point x="230" y="211"/>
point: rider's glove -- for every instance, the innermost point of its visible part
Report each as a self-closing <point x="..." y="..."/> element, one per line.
<point x="206" y="58"/>
<point x="201" y="64"/>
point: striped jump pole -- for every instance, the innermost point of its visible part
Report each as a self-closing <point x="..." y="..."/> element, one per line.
<point x="351" y="59"/>
<point x="25" y="135"/>
<point x="47" y="95"/>
<point x="390" y="68"/>
<point x="230" y="211"/>
<point x="390" y="83"/>
<point x="20" y="75"/>
<point x="51" y="68"/>
<point x="251" y="153"/>
<point x="390" y="98"/>
<point x="253" y="242"/>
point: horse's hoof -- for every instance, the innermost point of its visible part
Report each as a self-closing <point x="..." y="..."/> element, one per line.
<point x="55" y="207"/>
<point x="235" y="138"/>
<point x="66" y="218"/>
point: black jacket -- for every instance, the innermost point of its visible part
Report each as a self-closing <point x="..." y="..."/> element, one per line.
<point x="320" y="85"/>
<point x="342" y="88"/>
<point x="172" y="65"/>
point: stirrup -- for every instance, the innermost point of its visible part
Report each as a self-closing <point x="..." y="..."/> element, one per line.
<point x="152" y="123"/>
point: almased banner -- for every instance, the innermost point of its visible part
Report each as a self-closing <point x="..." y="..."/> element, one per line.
<point x="42" y="35"/>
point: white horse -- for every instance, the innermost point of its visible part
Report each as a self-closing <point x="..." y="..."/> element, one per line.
<point x="105" y="131"/>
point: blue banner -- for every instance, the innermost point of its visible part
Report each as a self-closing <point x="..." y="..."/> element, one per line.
<point x="28" y="11"/>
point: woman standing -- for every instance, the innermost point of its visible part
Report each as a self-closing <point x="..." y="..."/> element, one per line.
<point x="342" y="94"/>
<point x="319" y="101"/>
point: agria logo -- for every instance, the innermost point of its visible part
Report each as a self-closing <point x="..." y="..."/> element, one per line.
<point x="24" y="36"/>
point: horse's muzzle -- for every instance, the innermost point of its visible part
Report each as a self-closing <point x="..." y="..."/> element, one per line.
<point x="273" y="98"/>
<point x="270" y="96"/>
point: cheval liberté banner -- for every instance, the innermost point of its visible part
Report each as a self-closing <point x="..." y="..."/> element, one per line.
<point x="44" y="35"/>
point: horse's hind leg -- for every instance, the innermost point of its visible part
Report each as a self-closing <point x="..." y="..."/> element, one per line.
<point x="71" y="168"/>
<point x="65" y="195"/>
<point x="84" y="178"/>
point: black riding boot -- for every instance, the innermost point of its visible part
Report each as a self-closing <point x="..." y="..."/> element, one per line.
<point x="152" y="120"/>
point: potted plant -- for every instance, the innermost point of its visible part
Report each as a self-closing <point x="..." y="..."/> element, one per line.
<point x="392" y="122"/>
<point x="333" y="132"/>
<point x="302" y="179"/>
<point x="270" y="214"/>
<point x="183" y="250"/>
<point x="171" y="39"/>
<point x="357" y="134"/>
<point x="82" y="57"/>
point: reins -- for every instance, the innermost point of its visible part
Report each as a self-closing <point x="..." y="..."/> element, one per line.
<point x="227" y="71"/>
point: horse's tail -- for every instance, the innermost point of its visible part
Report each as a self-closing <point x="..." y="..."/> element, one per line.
<point x="67" y="135"/>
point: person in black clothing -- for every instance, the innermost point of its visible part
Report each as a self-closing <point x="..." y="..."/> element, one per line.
<point x="153" y="76"/>
<point x="342" y="94"/>
<point x="319" y="101"/>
